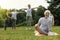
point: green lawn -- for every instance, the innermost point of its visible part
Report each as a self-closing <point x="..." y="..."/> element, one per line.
<point x="20" y="33"/>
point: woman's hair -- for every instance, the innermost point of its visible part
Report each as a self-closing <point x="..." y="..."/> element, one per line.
<point x="29" y="5"/>
<point x="48" y="12"/>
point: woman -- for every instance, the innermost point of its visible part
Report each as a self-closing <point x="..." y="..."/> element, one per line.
<point x="7" y="19"/>
<point x="29" y="16"/>
<point x="14" y="18"/>
<point x="51" y="19"/>
<point x="42" y="27"/>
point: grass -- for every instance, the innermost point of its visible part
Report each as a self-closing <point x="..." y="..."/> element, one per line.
<point x="20" y="33"/>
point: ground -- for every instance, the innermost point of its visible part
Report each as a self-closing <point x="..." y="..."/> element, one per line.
<point x="20" y="33"/>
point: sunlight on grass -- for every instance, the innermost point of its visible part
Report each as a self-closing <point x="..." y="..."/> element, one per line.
<point x="20" y="33"/>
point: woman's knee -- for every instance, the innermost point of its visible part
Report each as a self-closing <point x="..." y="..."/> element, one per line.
<point x="36" y="27"/>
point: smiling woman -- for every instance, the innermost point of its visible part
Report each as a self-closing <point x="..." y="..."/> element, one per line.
<point x="9" y="4"/>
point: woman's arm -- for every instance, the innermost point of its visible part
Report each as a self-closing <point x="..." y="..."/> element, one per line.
<point x="53" y="21"/>
<point x="37" y="25"/>
<point x="35" y="8"/>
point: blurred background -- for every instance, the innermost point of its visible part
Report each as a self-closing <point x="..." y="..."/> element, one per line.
<point x="19" y="5"/>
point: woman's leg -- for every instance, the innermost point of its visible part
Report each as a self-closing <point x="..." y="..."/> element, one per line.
<point x="13" y="24"/>
<point x="5" y="26"/>
<point x="40" y="30"/>
<point x="43" y="32"/>
<point x="27" y="20"/>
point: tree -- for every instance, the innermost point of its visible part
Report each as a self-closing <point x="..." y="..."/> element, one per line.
<point x="21" y="17"/>
<point x="2" y="17"/>
<point x="54" y="7"/>
<point x="36" y="14"/>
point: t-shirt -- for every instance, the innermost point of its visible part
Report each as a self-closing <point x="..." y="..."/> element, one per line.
<point x="50" y="18"/>
<point x="29" y="10"/>
<point x="44" y="23"/>
<point x="14" y="15"/>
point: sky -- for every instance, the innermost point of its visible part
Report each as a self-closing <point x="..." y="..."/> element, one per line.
<point x="18" y="4"/>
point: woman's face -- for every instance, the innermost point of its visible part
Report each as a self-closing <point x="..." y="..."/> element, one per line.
<point x="47" y="14"/>
<point x="29" y="6"/>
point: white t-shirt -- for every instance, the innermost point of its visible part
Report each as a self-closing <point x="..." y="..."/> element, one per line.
<point x="29" y="12"/>
<point x="50" y="18"/>
<point x="14" y="15"/>
<point x="44" y="23"/>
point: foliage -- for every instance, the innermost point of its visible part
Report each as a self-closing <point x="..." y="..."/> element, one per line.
<point x="54" y="7"/>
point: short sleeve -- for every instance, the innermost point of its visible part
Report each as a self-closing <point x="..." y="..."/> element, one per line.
<point x="40" y="20"/>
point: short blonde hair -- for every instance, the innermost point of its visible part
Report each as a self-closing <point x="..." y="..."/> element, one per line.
<point x="48" y="12"/>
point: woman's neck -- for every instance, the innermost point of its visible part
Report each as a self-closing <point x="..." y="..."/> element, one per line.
<point x="46" y="17"/>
